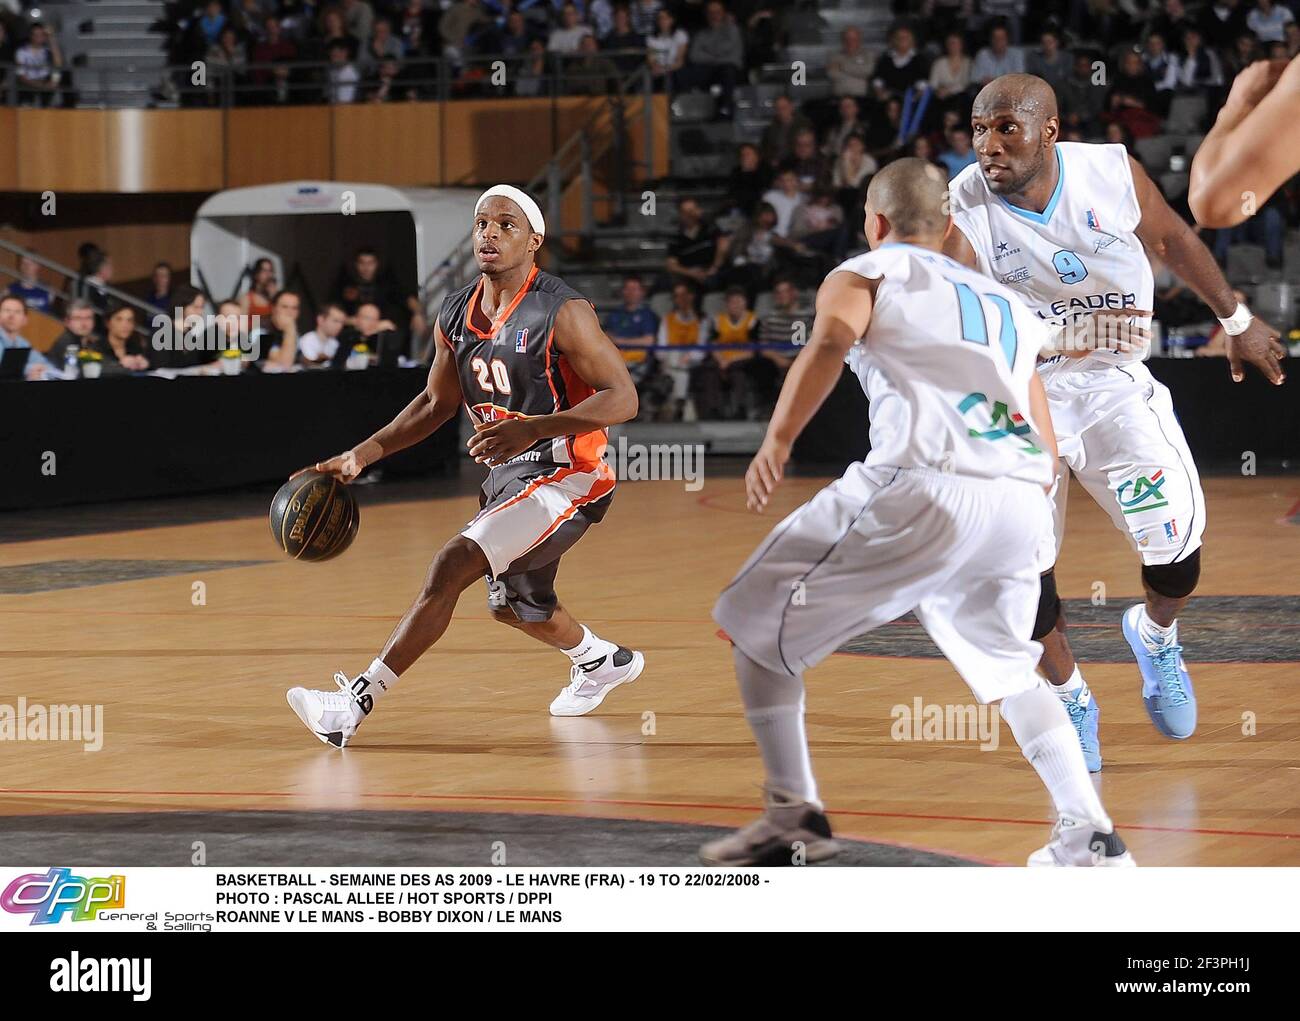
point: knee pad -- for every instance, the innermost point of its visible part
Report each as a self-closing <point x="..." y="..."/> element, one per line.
<point x="1174" y="581"/>
<point x="1049" y="606"/>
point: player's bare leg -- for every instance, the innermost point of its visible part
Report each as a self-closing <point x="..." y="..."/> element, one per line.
<point x="598" y="666"/>
<point x="1058" y="664"/>
<point x="560" y="632"/>
<point x="1164" y="610"/>
<point x="457" y="566"/>
<point x="333" y="716"/>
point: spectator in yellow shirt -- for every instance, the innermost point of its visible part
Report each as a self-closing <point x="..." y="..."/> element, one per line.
<point x="681" y="327"/>
<point x="735" y="324"/>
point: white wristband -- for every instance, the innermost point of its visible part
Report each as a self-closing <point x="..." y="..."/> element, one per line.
<point x="1238" y="321"/>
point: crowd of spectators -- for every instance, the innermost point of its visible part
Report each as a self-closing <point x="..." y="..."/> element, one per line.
<point x="792" y="205"/>
<point x="366" y="319"/>
<point x="281" y="51"/>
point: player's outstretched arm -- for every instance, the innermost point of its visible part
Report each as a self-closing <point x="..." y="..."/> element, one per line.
<point x="1253" y="147"/>
<point x="1165" y="233"/>
<point x="435" y="405"/>
<point x="844" y="305"/>
<point x="596" y="360"/>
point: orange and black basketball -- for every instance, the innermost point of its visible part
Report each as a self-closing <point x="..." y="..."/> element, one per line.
<point x="314" y="517"/>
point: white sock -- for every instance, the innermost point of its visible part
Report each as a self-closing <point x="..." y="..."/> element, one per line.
<point x="590" y="650"/>
<point x="1153" y="633"/>
<point x="774" y="709"/>
<point x="373" y="683"/>
<point x="1048" y="741"/>
<point x="1075" y="689"/>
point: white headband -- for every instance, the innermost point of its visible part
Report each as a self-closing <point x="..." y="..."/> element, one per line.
<point x="519" y="198"/>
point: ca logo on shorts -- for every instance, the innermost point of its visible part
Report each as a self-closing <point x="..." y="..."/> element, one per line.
<point x="1142" y="494"/>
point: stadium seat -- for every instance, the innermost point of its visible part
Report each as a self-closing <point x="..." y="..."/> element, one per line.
<point x="1186" y="114"/>
<point x="1155" y="152"/>
<point x="1277" y="303"/>
<point x="694" y="106"/>
<point x="1245" y="263"/>
<point x="1173" y="184"/>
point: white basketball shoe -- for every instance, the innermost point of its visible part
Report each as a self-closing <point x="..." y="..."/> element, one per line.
<point x="589" y="683"/>
<point x="333" y="716"/>
<point x="1081" y="843"/>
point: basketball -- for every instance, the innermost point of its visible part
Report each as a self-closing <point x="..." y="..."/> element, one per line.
<point x="314" y="517"/>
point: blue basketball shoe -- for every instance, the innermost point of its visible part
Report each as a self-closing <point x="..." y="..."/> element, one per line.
<point x="1166" y="685"/>
<point x="1085" y="719"/>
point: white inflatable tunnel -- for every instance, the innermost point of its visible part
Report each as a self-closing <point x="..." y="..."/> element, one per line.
<point x="311" y="229"/>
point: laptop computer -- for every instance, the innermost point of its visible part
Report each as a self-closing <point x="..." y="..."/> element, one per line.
<point x="13" y="362"/>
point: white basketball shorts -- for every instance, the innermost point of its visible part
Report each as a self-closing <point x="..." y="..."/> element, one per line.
<point x="964" y="554"/>
<point x="1117" y="431"/>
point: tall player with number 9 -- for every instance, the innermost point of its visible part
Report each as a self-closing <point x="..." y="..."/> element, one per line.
<point x="525" y="354"/>
<point x="1066" y="225"/>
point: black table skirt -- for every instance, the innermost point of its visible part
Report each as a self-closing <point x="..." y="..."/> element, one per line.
<point x="79" y="441"/>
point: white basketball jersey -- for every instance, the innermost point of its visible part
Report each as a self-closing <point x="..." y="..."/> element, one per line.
<point x="1078" y="255"/>
<point x="946" y="364"/>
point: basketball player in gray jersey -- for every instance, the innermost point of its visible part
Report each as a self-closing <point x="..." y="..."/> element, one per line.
<point x="526" y="356"/>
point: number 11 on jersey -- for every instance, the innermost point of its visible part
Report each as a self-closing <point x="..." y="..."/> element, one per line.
<point x="975" y="324"/>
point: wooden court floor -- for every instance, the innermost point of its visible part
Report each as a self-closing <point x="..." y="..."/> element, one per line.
<point x="195" y="716"/>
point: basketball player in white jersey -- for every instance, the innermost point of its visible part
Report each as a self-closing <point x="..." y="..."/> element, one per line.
<point x="946" y="517"/>
<point x="1066" y="226"/>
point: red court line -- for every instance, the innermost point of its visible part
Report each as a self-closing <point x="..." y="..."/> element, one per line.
<point x="707" y="501"/>
<point x="617" y="802"/>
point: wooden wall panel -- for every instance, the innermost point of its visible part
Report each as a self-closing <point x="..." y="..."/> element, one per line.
<point x="135" y="247"/>
<point x="493" y="140"/>
<point x="269" y="144"/>
<point x="392" y="143"/>
<point x="8" y="153"/>
<point x="63" y="150"/>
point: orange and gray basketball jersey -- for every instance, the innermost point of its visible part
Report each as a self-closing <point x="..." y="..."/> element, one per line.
<point x="510" y="368"/>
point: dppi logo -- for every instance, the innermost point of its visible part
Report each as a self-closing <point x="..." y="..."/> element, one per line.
<point x="1145" y="493"/>
<point x="47" y="898"/>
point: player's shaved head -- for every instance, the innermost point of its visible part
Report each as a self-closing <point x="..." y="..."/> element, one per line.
<point x="912" y="195"/>
<point x="1024" y="94"/>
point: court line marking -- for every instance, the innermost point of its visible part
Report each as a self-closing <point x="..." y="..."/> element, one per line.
<point x="622" y="803"/>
